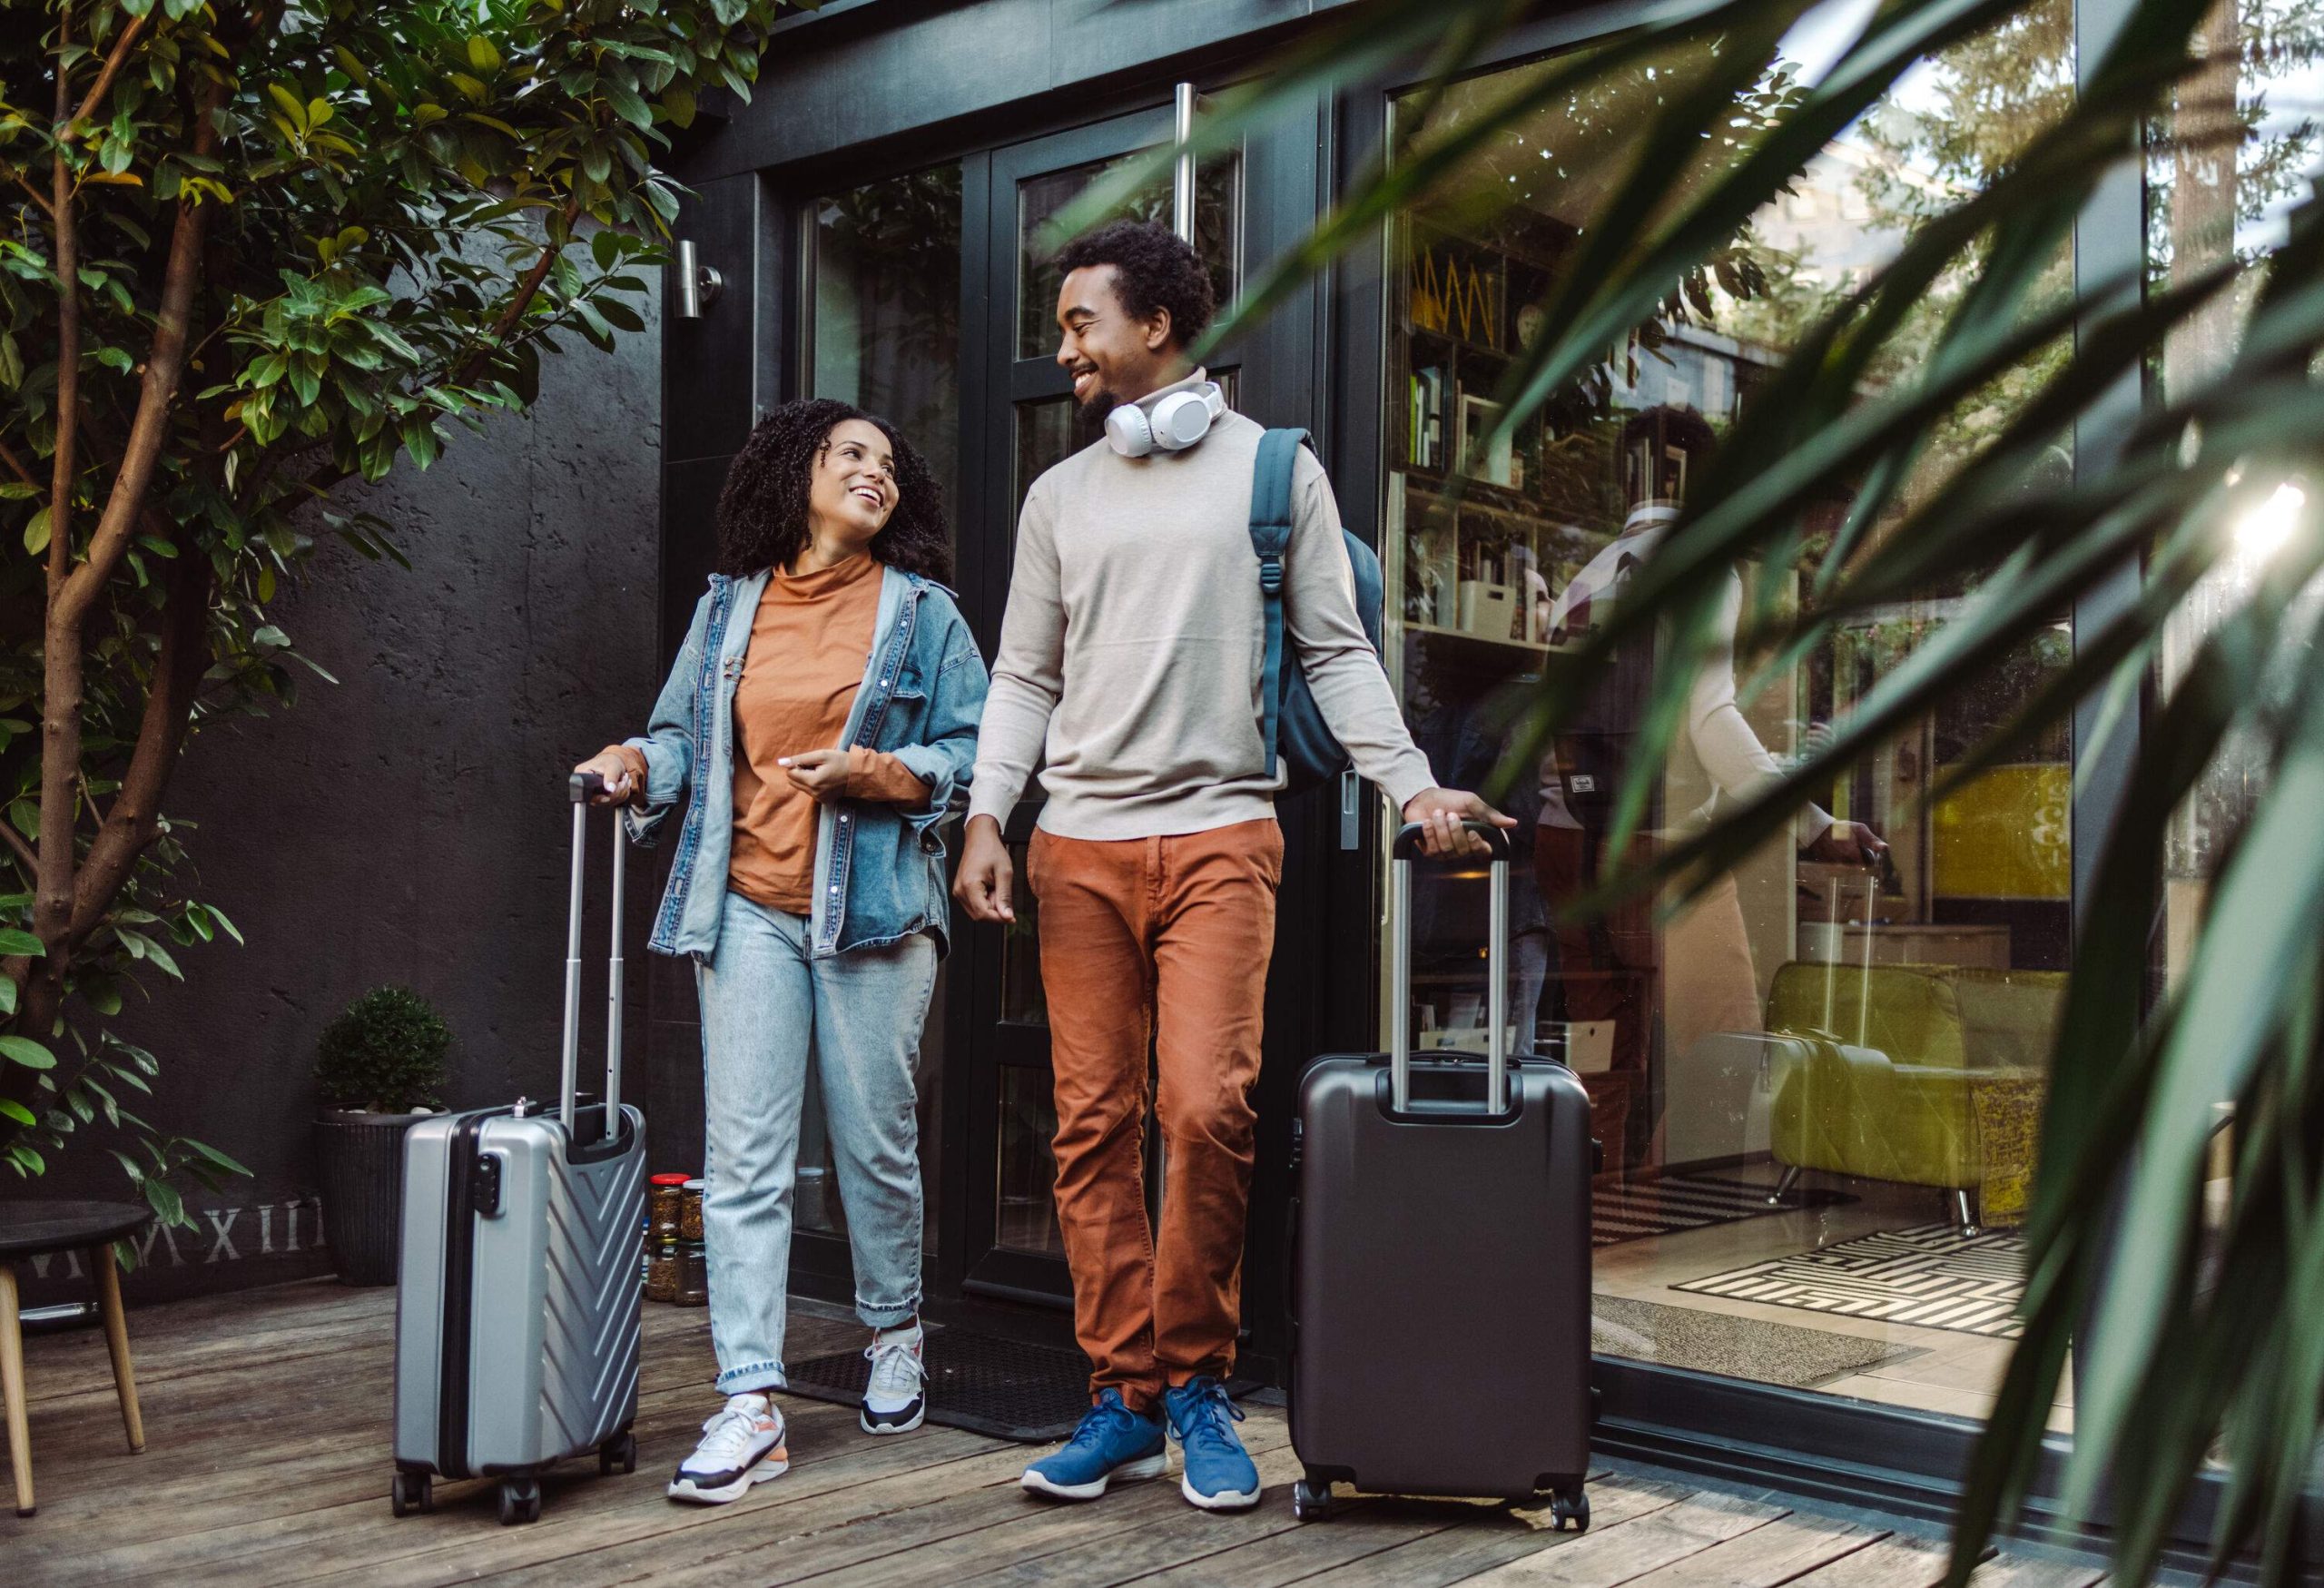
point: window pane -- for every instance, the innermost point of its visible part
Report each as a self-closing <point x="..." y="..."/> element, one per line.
<point x="1802" y="1078"/>
<point x="887" y="323"/>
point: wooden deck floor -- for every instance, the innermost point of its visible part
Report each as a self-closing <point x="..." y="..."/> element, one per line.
<point x="267" y="1415"/>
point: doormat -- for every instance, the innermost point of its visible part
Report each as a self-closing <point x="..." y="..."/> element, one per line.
<point x="1739" y="1348"/>
<point x="1931" y="1277"/>
<point x="1668" y="1204"/>
<point x="986" y="1384"/>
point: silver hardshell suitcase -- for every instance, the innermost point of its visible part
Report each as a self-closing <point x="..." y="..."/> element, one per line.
<point x="516" y="1304"/>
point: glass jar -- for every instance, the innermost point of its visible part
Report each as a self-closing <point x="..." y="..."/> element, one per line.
<point x="694" y="1275"/>
<point x="661" y="1271"/>
<point x="663" y="1197"/>
<point x="690" y="1211"/>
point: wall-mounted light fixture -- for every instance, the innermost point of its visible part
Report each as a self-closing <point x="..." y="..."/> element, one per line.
<point x="698" y="284"/>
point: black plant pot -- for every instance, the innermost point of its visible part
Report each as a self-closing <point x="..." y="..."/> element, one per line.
<point x="358" y="1157"/>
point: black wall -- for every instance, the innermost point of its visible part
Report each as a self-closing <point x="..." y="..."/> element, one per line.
<point x="410" y="824"/>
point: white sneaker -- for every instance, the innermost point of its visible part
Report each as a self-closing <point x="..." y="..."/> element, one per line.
<point x="742" y="1445"/>
<point x="896" y="1400"/>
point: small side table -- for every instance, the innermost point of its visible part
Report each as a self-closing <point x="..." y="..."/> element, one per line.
<point x="30" y="1229"/>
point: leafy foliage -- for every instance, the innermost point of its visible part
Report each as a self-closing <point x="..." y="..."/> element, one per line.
<point x="249" y="252"/>
<point x="384" y="1054"/>
<point x="2181" y="1358"/>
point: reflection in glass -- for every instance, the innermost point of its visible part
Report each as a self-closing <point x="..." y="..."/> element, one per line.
<point x="1026" y="1216"/>
<point x="1219" y="204"/>
<point x="1023" y="1002"/>
<point x="1813" y="1050"/>
<point x="886" y="323"/>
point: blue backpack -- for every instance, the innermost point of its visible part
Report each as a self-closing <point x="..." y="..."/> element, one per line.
<point x="1292" y="726"/>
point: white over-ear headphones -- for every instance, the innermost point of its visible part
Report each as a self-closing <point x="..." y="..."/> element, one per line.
<point x="1176" y="423"/>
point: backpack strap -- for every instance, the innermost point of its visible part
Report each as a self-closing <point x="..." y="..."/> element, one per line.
<point x="1270" y="539"/>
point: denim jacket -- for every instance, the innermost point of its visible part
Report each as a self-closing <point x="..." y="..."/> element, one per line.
<point x="879" y="869"/>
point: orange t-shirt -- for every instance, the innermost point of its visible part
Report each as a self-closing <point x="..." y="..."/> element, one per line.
<point x="810" y="640"/>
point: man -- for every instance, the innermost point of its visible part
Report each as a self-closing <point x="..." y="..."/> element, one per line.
<point x="1129" y="665"/>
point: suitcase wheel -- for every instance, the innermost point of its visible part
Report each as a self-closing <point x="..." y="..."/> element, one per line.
<point x="1570" y="1506"/>
<point x="411" y="1492"/>
<point x="1310" y="1501"/>
<point x="618" y="1452"/>
<point x="520" y="1500"/>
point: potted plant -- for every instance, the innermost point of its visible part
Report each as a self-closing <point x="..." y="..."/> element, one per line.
<point x="378" y="1068"/>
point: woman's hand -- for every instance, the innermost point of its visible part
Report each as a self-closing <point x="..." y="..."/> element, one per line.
<point x="614" y="768"/>
<point x="821" y="775"/>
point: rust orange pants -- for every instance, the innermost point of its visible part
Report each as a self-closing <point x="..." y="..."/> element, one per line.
<point x="1162" y="942"/>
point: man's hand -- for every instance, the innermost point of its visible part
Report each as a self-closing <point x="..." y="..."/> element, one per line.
<point x="614" y="768"/>
<point x="1441" y="811"/>
<point x="987" y="881"/>
<point x="820" y="774"/>
<point x="1848" y="843"/>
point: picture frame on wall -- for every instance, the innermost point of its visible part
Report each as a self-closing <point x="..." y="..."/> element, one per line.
<point x="1500" y="465"/>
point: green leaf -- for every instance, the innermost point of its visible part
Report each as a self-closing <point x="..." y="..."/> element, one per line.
<point x="294" y="109"/>
<point x="36" y="533"/>
<point x="12" y="1109"/>
<point x="24" y="1050"/>
<point x="17" y="940"/>
<point x="627" y="106"/>
<point x="482" y="56"/>
<point x="211" y="1155"/>
<point x="166" y="1202"/>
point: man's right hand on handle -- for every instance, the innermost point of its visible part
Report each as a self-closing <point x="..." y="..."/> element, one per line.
<point x="614" y="770"/>
<point x="985" y="882"/>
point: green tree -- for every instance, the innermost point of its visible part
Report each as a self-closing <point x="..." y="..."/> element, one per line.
<point x="253" y="250"/>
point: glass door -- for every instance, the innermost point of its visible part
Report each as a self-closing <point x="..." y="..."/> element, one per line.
<point x="1026" y="424"/>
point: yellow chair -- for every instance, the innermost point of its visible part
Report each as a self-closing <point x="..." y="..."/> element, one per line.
<point x="1922" y="1075"/>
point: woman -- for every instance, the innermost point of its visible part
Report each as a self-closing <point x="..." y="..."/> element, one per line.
<point x="819" y="726"/>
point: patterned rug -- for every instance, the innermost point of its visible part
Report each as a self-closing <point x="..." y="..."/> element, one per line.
<point x="1670" y="1203"/>
<point x="1931" y="1277"/>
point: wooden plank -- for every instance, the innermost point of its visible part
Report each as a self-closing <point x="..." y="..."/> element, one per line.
<point x="1605" y="1556"/>
<point x="1358" y="1528"/>
<point x="2008" y="1571"/>
<point x="1474" y="1540"/>
<point x="1776" y="1552"/>
<point x="1898" y="1560"/>
<point x="1008" y="1527"/>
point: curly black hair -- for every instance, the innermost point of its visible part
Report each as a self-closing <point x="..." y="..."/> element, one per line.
<point x="763" y="508"/>
<point x="1157" y="268"/>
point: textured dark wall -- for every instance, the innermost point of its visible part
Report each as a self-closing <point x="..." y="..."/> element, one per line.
<point x="409" y="824"/>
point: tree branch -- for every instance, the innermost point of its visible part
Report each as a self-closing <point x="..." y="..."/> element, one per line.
<point x="61" y="668"/>
<point x="16" y="466"/>
<point x="23" y="851"/>
<point x="134" y="821"/>
<point x="71" y="129"/>
<point x="164" y="362"/>
<point x="528" y="289"/>
<point x="46" y="208"/>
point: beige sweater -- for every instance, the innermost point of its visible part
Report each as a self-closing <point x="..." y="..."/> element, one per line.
<point x="1133" y="647"/>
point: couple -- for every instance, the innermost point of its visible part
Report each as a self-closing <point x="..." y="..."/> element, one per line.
<point x="826" y="711"/>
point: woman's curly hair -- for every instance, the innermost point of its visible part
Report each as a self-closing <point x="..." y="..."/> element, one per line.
<point x="763" y="508"/>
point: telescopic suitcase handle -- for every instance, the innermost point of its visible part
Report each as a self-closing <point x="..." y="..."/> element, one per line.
<point x="581" y="788"/>
<point x="1408" y="842"/>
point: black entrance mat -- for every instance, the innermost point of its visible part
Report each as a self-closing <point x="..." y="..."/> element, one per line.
<point x="1010" y="1390"/>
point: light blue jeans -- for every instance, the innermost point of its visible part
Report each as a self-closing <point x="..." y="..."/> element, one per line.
<point x="767" y="1009"/>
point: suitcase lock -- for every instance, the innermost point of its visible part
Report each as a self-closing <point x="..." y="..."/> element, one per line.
<point x="485" y="1186"/>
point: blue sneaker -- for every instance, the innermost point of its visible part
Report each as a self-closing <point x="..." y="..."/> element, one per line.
<point x="1112" y="1442"/>
<point x="1220" y="1474"/>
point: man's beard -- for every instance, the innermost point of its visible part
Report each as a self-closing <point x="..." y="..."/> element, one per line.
<point x="1093" y="412"/>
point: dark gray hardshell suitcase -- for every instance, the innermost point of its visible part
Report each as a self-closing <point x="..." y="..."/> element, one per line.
<point x="1441" y="1262"/>
<point x="518" y="1298"/>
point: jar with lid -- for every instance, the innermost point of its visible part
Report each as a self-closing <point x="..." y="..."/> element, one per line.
<point x="690" y="1211"/>
<point x="661" y="1271"/>
<point x="663" y="1197"/>
<point x="694" y="1275"/>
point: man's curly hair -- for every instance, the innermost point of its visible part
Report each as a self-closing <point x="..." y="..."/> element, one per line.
<point x="763" y="508"/>
<point x="1155" y="268"/>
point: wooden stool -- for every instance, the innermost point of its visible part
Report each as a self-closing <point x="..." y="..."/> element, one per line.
<point x="31" y="1229"/>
